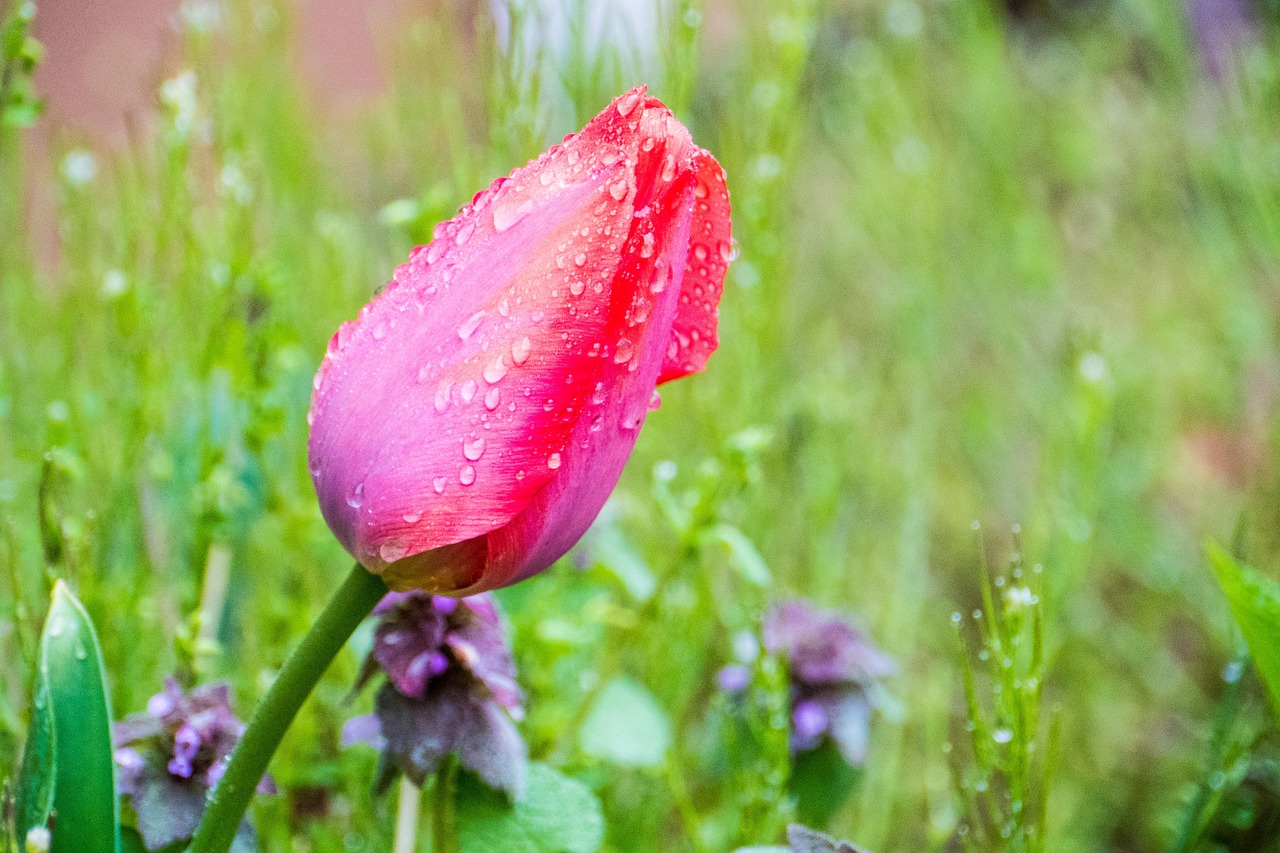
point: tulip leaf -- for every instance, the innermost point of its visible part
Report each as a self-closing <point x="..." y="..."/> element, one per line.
<point x="1254" y="599"/>
<point x="71" y="672"/>
<point x="627" y="727"/>
<point x="557" y="815"/>
<point x="35" y="780"/>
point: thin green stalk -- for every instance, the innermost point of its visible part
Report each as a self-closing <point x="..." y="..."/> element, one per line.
<point x="444" y="825"/>
<point x="230" y="799"/>
<point x="410" y="803"/>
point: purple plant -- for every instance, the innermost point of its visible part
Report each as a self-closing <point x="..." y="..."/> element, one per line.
<point x="834" y="670"/>
<point x="171" y="755"/>
<point x="450" y="689"/>
<point x="1222" y="30"/>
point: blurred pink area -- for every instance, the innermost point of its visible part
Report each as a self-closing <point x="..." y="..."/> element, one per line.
<point x="104" y="61"/>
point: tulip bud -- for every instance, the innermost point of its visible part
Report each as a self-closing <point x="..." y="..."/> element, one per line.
<point x="468" y="426"/>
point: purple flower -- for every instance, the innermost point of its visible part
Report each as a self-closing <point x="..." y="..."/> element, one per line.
<point x="834" y="669"/>
<point x="171" y="755"/>
<point x="1223" y="30"/>
<point x="450" y="689"/>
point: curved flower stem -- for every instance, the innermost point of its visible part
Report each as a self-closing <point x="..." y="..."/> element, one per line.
<point x="229" y="800"/>
<point x="445" y="823"/>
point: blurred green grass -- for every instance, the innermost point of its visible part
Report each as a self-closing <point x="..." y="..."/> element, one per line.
<point x="1017" y="272"/>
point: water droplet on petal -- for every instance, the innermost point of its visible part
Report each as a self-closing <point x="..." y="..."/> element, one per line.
<point x="655" y="400"/>
<point x="627" y="103"/>
<point x="412" y="517"/>
<point x="379" y="331"/>
<point x="509" y="211"/>
<point x="468" y="390"/>
<point x="553" y="461"/>
<point x="577" y="286"/>
<point x="473" y="449"/>
<point x="624" y="351"/>
<point x="520" y="351"/>
<point x="495" y="371"/>
<point x="619" y="190"/>
<point x="469" y="326"/>
<point x="464" y="233"/>
<point x="580" y="259"/>
<point x="598" y="395"/>
<point x="646" y="246"/>
<point x="729" y="250"/>
<point x="669" y="168"/>
<point x="492" y="398"/>
<point x="700" y="252"/>
<point x="442" y="394"/>
<point x="467" y="475"/>
<point x="356" y="498"/>
<point x="439" y="483"/>
<point x="392" y="550"/>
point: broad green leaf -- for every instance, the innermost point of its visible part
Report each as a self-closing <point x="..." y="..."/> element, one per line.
<point x="557" y="815"/>
<point x="1255" y="603"/>
<point x="627" y="726"/>
<point x="84" y="797"/>
<point x="35" y="780"/>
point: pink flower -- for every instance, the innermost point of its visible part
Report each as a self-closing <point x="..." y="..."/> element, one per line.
<point x="470" y="423"/>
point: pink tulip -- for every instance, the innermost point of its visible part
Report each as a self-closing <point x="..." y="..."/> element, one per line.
<point x="468" y="426"/>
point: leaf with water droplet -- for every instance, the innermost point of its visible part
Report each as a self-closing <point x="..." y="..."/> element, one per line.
<point x="71" y="681"/>
<point x="1255" y="604"/>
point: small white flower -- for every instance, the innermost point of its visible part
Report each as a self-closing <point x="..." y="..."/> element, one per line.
<point x="1020" y="596"/>
<point x="179" y="94"/>
<point x="114" y="283"/>
<point x="38" y="840"/>
<point x="79" y="167"/>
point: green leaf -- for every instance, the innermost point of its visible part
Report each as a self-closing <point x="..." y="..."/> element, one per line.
<point x="1255" y="603"/>
<point x="84" y="797"/>
<point x="627" y="726"/>
<point x="35" y="780"/>
<point x="557" y="815"/>
<point x="743" y="555"/>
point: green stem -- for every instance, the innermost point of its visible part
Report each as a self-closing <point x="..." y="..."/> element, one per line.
<point x="230" y="799"/>
<point x="445" y="820"/>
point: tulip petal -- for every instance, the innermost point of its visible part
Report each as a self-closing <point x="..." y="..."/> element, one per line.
<point x="694" y="336"/>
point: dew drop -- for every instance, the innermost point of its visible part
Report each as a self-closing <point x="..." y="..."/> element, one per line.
<point x="442" y="394"/>
<point x="495" y="370"/>
<point x="412" y="517"/>
<point x="379" y="331"/>
<point x="467" y="475"/>
<point x="655" y="400"/>
<point x="627" y="103"/>
<point x="624" y="352"/>
<point x="729" y="250"/>
<point x="700" y="252"/>
<point x="473" y="449"/>
<point x="468" y="390"/>
<point x="646" y="246"/>
<point x="356" y="498"/>
<point x="700" y="190"/>
<point x="669" y="168"/>
<point x="619" y="190"/>
<point x="464" y="233"/>
<point x="469" y="326"/>
<point x="492" y="398"/>
<point x="580" y="259"/>
<point x="553" y="461"/>
<point x="508" y="212"/>
<point x="392" y="550"/>
<point x="438" y="484"/>
<point x="520" y="351"/>
<point x="598" y="395"/>
<point x="577" y="286"/>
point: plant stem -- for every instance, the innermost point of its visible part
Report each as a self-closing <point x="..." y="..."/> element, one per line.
<point x="229" y="801"/>
<point x="445" y="822"/>
<point x="407" y="817"/>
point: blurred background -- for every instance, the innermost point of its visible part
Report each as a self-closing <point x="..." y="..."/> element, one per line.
<point x="1006" y="306"/>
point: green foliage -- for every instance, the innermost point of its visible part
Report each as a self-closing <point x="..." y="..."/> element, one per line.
<point x="626" y="726"/>
<point x="1255" y="603"/>
<point x="1017" y="270"/>
<point x="19" y="55"/>
<point x="557" y="815"/>
<point x="67" y="770"/>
